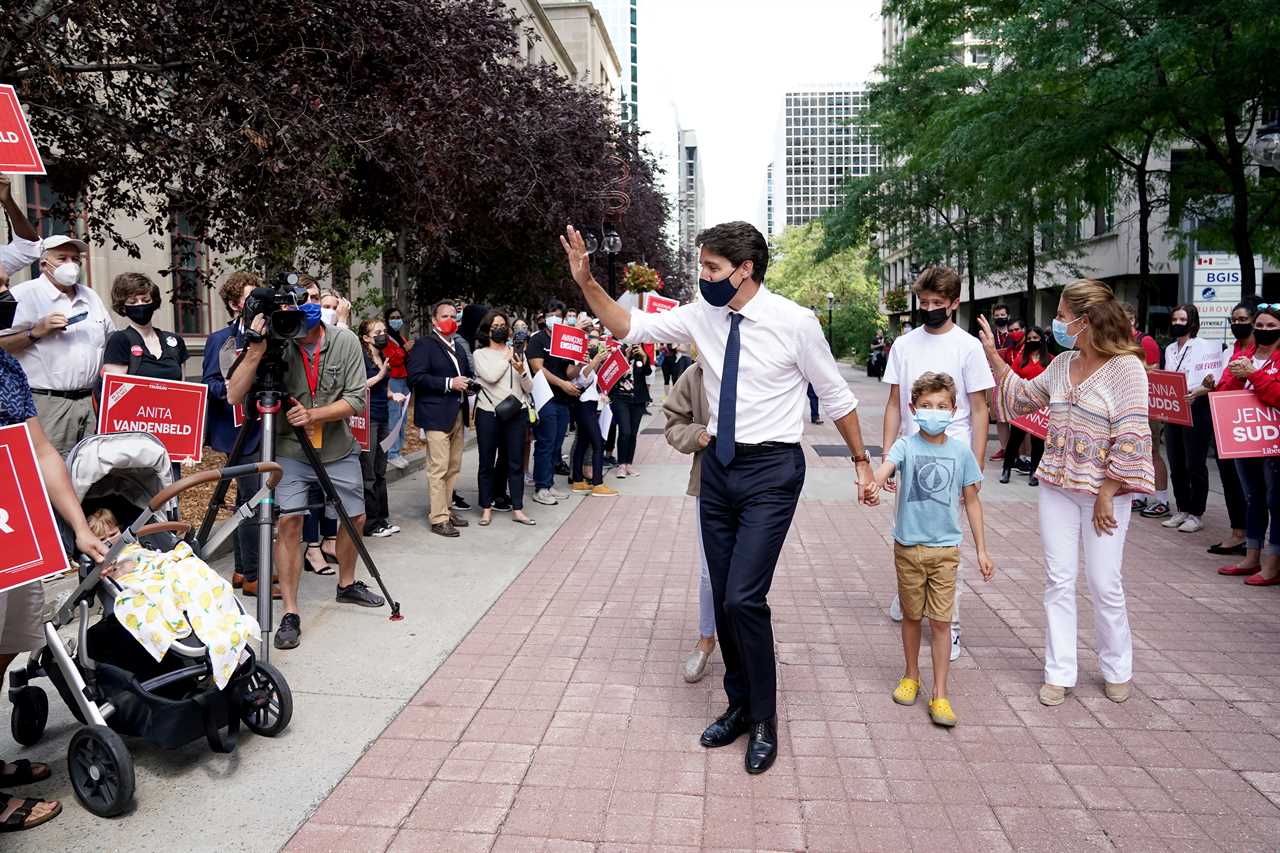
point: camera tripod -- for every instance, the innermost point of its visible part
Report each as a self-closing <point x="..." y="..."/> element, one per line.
<point x="262" y="506"/>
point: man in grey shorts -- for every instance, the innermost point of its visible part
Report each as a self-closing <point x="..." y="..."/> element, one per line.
<point x="325" y="384"/>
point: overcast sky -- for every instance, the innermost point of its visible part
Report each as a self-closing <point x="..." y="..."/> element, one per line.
<point x="723" y="67"/>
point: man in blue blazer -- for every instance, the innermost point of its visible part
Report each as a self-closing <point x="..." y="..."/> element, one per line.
<point x="439" y="374"/>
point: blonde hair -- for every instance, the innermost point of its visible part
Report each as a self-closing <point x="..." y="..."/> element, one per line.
<point x="932" y="383"/>
<point x="1110" y="332"/>
<point x="102" y="523"/>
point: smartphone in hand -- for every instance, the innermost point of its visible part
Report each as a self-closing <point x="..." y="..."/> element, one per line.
<point x="71" y="321"/>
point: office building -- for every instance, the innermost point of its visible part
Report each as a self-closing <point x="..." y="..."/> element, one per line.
<point x="621" y="18"/>
<point x="581" y="30"/>
<point x="821" y="142"/>
<point x="690" y="199"/>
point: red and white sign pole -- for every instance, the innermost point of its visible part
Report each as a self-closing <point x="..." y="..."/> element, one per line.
<point x="30" y="547"/>
<point x="171" y="411"/>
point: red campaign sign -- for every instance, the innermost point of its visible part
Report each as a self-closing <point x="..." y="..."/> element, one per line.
<point x="568" y="342"/>
<point x="1036" y="423"/>
<point x="1243" y="425"/>
<point x="30" y="548"/>
<point x="655" y="304"/>
<point x="237" y="415"/>
<point x="611" y="370"/>
<point x="171" y="411"/>
<point x="18" y="152"/>
<point x="360" y="424"/>
<point x="1167" y="397"/>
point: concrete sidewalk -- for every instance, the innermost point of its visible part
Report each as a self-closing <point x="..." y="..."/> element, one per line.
<point x="561" y="721"/>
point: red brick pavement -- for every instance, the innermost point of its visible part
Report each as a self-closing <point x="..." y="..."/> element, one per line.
<point x="561" y="721"/>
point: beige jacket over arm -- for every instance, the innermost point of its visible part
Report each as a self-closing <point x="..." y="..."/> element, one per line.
<point x="687" y="415"/>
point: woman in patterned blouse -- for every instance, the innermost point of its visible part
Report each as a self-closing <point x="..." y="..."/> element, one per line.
<point x="1097" y="457"/>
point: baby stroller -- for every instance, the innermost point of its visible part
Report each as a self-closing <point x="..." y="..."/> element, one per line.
<point x="112" y="685"/>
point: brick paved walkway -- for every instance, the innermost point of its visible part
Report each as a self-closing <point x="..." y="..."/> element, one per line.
<point x="561" y="722"/>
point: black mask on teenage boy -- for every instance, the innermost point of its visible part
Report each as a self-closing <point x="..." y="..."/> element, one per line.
<point x="934" y="317"/>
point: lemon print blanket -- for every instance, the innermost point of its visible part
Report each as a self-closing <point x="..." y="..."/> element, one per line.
<point x="171" y="594"/>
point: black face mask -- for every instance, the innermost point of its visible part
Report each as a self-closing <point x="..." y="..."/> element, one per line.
<point x="934" y="317"/>
<point x="140" y="314"/>
<point x="1241" y="331"/>
<point x="1266" y="337"/>
<point x="380" y="341"/>
<point x="1179" y="329"/>
<point x="500" y="335"/>
<point x="1001" y="322"/>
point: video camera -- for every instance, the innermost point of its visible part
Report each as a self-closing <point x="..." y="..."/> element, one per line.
<point x="276" y="304"/>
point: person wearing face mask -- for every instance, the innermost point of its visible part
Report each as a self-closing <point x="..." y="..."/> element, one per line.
<point x="1157" y="506"/>
<point x="60" y="329"/>
<point x="1012" y="352"/>
<point x="439" y="375"/>
<point x="1257" y="369"/>
<point x="1242" y="316"/>
<point x="1028" y="361"/>
<point x="1097" y="456"/>
<point x="938" y="345"/>
<point x="398" y="345"/>
<point x="373" y="462"/>
<point x="759" y="351"/>
<point x="140" y="349"/>
<point x="501" y="425"/>
<point x="1201" y="362"/>
<point x="335" y="309"/>
<point x="554" y="416"/>
<point x="325" y="385"/>
<point x="1003" y="327"/>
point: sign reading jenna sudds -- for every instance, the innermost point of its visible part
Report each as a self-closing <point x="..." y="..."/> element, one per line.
<point x="18" y="152"/>
<point x="1036" y="423"/>
<point x="1167" y="397"/>
<point x="30" y="548"/>
<point x="568" y="342"/>
<point x="611" y="370"/>
<point x="171" y="411"/>
<point x="1244" y="426"/>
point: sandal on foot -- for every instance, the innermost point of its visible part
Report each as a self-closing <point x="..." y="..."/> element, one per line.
<point x="21" y="818"/>
<point x="24" y="773"/>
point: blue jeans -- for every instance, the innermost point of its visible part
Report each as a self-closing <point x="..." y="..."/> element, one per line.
<point x="553" y="424"/>
<point x="399" y="386"/>
<point x="1260" y="479"/>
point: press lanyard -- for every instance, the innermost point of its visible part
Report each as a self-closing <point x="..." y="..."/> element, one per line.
<point x="313" y="368"/>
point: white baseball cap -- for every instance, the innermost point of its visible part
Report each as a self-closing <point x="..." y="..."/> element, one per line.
<point x="61" y="240"/>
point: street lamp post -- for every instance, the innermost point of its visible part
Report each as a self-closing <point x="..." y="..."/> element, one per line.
<point x="612" y="246"/>
<point x="831" y="304"/>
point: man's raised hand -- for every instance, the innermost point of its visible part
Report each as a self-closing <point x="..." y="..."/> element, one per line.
<point x="575" y="249"/>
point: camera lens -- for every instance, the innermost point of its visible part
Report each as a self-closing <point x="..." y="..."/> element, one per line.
<point x="287" y="324"/>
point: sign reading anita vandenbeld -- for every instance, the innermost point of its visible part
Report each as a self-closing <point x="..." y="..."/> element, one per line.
<point x="171" y="411"/>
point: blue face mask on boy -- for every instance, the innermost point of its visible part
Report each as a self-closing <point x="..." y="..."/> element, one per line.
<point x="933" y="421"/>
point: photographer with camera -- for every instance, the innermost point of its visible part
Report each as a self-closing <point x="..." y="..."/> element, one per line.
<point x="323" y="385"/>
<point x="440" y="375"/>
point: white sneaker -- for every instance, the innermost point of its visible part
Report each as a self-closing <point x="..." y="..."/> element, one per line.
<point x="558" y="495"/>
<point x="895" y="608"/>
<point x="955" y="641"/>
<point x="544" y="496"/>
<point x="1174" y="520"/>
<point x="1192" y="525"/>
<point x="393" y="528"/>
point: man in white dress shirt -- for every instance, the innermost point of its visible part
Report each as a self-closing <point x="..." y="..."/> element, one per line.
<point x="59" y="333"/>
<point x="759" y="353"/>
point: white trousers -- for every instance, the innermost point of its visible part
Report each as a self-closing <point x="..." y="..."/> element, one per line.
<point x="1066" y="519"/>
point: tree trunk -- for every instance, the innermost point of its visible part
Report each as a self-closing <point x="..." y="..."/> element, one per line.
<point x="1240" y="209"/>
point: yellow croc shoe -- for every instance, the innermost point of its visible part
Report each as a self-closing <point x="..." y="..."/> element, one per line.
<point x="940" y="712"/>
<point x="906" y="692"/>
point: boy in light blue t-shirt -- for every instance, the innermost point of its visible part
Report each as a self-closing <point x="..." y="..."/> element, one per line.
<point x="935" y="472"/>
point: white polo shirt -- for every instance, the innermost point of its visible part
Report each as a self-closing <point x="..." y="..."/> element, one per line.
<point x="782" y="351"/>
<point x="70" y="360"/>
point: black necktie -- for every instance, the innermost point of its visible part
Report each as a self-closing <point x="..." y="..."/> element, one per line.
<point x="727" y="417"/>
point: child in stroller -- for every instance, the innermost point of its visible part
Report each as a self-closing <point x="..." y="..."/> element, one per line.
<point x="143" y="669"/>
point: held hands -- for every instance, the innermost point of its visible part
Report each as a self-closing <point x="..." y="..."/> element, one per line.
<point x="1241" y="368"/>
<point x="868" y="491"/>
<point x="575" y="249"/>
<point x="985" y="566"/>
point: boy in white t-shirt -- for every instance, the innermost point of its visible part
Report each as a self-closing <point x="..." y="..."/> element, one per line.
<point x="938" y="345"/>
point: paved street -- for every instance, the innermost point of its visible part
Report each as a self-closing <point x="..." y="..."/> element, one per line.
<point x="561" y="723"/>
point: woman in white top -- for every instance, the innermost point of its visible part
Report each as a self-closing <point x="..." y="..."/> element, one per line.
<point x="502" y="373"/>
<point x="1188" y="446"/>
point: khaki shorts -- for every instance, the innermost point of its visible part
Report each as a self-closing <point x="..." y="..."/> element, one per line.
<point x="927" y="580"/>
<point x="20" y="627"/>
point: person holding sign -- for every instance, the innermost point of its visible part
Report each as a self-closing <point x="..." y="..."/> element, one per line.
<point x="1029" y="361"/>
<point x="1242" y="316"/>
<point x="586" y="415"/>
<point x="1097" y="456"/>
<point x="759" y="351"/>
<point x="1258" y="370"/>
<point x="373" y="462"/>
<point x="324" y="386"/>
<point x="1200" y="361"/>
<point x="629" y="398"/>
<point x="20" y="608"/>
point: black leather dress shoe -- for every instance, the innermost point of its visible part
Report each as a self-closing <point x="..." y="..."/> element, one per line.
<point x="762" y="748"/>
<point x="727" y="728"/>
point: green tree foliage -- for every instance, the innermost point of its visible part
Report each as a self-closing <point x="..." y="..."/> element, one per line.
<point x="796" y="273"/>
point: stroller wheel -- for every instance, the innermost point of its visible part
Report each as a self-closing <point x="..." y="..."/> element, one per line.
<point x="267" y="706"/>
<point x="30" y="713"/>
<point x="101" y="770"/>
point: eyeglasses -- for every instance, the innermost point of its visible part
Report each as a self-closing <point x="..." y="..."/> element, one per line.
<point x="1269" y="306"/>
